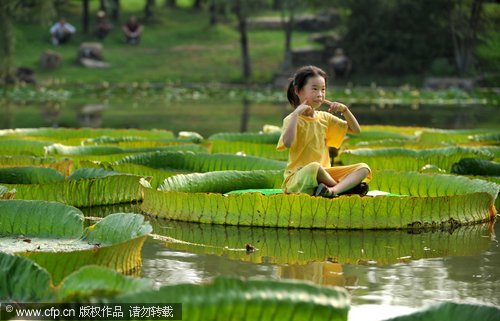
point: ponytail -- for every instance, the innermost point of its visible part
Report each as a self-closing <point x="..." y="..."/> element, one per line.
<point x="291" y="95"/>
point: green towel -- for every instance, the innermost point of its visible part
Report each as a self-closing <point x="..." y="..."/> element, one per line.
<point x="263" y="191"/>
<point x="273" y="191"/>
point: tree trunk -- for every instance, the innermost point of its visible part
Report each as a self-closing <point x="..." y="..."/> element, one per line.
<point x="7" y="43"/>
<point x="213" y="9"/>
<point x="464" y="33"/>
<point x="85" y="21"/>
<point x="288" y="28"/>
<point x="148" y="9"/>
<point x="197" y="4"/>
<point x="115" y="11"/>
<point x="242" y="27"/>
<point x="171" y="3"/>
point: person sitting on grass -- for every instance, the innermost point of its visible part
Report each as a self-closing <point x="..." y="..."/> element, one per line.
<point x="102" y="26"/>
<point x="61" y="32"/>
<point x="308" y="133"/>
<point x="132" y="31"/>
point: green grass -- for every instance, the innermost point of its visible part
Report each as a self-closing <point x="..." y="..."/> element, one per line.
<point x="178" y="46"/>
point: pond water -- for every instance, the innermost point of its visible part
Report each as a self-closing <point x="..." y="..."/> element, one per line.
<point x="388" y="273"/>
<point x="209" y="117"/>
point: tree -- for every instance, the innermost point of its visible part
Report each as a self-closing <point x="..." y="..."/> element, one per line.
<point x="288" y="9"/>
<point x="85" y="16"/>
<point x="397" y="36"/>
<point x="148" y="9"/>
<point x="464" y="22"/>
<point x="171" y="3"/>
<point x="241" y="9"/>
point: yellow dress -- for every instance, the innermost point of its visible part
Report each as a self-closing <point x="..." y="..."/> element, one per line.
<point x="309" y="151"/>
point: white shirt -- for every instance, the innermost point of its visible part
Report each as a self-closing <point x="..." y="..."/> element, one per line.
<point x="58" y="27"/>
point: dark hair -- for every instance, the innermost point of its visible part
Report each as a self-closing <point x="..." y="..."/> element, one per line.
<point x="299" y="80"/>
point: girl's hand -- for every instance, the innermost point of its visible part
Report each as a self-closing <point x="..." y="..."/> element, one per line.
<point x="336" y="107"/>
<point x="304" y="109"/>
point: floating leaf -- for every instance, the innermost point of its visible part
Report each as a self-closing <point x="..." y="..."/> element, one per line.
<point x="222" y="181"/>
<point x="260" y="138"/>
<point x="248" y="148"/>
<point x="39" y="218"/>
<point x="114" y="242"/>
<point x="84" y="192"/>
<point x="202" y="162"/>
<point x="59" y="149"/>
<point x="434" y="200"/>
<point x="404" y="159"/>
<point x="23" y="281"/>
<point x="96" y="281"/>
<point x="131" y="226"/>
<point x="453" y="311"/>
<point x="225" y="298"/>
<point x="30" y="175"/>
<point x="476" y="166"/>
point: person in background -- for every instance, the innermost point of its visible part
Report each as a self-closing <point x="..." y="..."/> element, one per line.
<point x="102" y="25"/>
<point x="61" y="32"/>
<point x="132" y="30"/>
<point x="340" y="64"/>
<point x="308" y="132"/>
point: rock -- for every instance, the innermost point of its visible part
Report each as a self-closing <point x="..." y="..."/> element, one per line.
<point x="91" y="63"/>
<point x="448" y="82"/>
<point x="90" y="50"/>
<point x="50" y="59"/>
<point x="308" y="56"/>
<point x="26" y="75"/>
<point x="327" y="19"/>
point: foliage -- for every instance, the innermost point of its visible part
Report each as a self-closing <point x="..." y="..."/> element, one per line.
<point x="202" y="162"/>
<point x="453" y="311"/>
<point x="222" y="181"/>
<point x="23" y="281"/>
<point x="374" y="44"/>
<point x="408" y="159"/>
<point x="30" y="175"/>
<point x="475" y="166"/>
<point x="225" y="298"/>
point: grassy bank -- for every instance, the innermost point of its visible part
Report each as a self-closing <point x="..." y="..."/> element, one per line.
<point x="178" y="45"/>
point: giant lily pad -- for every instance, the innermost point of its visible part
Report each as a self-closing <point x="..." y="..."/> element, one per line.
<point x="22" y="280"/>
<point x="229" y="298"/>
<point x="429" y="200"/>
<point x="115" y="241"/>
<point x="406" y="159"/>
<point x="85" y="187"/>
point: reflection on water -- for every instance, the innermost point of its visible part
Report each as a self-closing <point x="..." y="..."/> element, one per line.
<point x="209" y="117"/>
<point x="380" y="268"/>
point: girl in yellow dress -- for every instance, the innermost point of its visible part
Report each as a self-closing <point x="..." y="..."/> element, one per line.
<point x="308" y="133"/>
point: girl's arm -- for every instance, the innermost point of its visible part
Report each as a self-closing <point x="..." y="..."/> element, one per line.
<point x="352" y="122"/>
<point x="291" y="129"/>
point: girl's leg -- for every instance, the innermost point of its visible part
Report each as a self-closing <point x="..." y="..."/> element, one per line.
<point x="324" y="177"/>
<point x="349" y="181"/>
